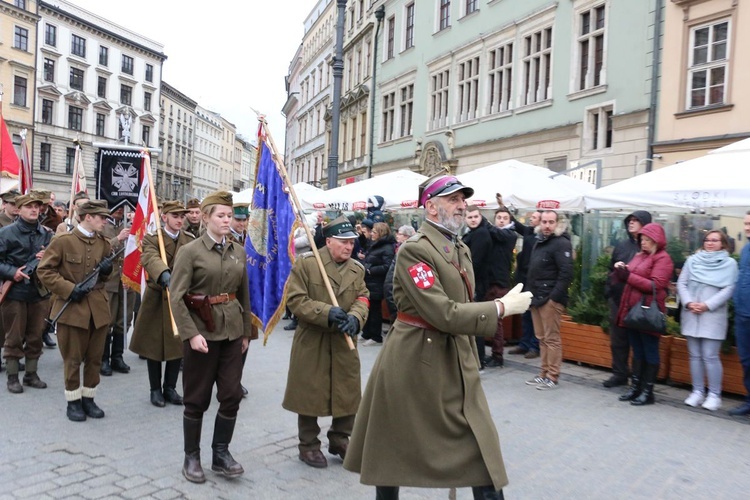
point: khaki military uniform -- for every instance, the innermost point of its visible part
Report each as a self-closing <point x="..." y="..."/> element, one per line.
<point x="200" y="268"/>
<point x="114" y="283"/>
<point x="153" y="337"/>
<point x="195" y="230"/>
<point x="424" y="419"/>
<point x="82" y="328"/>
<point x="324" y="374"/>
<point x="5" y="220"/>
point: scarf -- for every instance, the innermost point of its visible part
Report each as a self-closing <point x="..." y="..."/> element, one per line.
<point x="712" y="268"/>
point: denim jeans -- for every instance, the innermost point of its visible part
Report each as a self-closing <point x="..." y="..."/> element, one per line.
<point x="645" y="346"/>
<point x="742" y="338"/>
<point x="528" y="340"/>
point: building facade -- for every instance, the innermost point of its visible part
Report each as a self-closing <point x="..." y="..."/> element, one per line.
<point x="206" y="152"/>
<point x="226" y="155"/>
<point x="96" y="82"/>
<point x="703" y="103"/>
<point x="309" y="89"/>
<point x="248" y="158"/>
<point x="174" y="166"/>
<point x="462" y="85"/>
<point x="18" y="42"/>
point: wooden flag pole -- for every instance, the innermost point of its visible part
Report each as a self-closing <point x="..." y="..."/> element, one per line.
<point x="298" y="209"/>
<point x="159" y="235"/>
<point x="71" y="205"/>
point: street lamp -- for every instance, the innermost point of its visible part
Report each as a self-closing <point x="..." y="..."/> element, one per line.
<point x="176" y="186"/>
<point x="338" y="74"/>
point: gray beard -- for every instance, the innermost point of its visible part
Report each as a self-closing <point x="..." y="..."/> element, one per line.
<point x="449" y="222"/>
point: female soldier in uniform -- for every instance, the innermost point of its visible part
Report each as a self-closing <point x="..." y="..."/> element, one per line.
<point x="211" y="305"/>
<point x="153" y="337"/>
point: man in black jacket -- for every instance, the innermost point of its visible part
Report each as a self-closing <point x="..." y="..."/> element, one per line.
<point x="529" y="344"/>
<point x="479" y="241"/>
<point x="22" y="244"/>
<point x="618" y="337"/>
<point x="550" y="275"/>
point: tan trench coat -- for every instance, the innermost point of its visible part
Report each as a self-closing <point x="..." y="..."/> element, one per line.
<point x="200" y="269"/>
<point x="67" y="260"/>
<point x="324" y="375"/>
<point x="424" y="419"/>
<point x="152" y="335"/>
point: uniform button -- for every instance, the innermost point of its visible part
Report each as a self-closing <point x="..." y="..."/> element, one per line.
<point x="482" y="317"/>
<point x="429" y="340"/>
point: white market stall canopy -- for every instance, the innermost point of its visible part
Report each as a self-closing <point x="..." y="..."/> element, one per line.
<point x="309" y="196"/>
<point x="399" y="189"/>
<point x="6" y="184"/>
<point x="717" y="183"/>
<point x="524" y="186"/>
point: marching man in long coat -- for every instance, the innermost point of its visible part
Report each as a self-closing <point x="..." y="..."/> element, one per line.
<point x="424" y="419"/>
<point x="153" y="336"/>
<point x="324" y="374"/>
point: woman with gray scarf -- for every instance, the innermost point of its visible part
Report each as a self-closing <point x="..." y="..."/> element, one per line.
<point x="705" y="286"/>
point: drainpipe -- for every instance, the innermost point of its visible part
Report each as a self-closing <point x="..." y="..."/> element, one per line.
<point x="379" y="15"/>
<point x="654" y="85"/>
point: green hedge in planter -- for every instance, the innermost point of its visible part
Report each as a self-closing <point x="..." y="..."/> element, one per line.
<point x="590" y="307"/>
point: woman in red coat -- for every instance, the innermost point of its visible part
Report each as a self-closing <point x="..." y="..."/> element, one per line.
<point x="651" y="265"/>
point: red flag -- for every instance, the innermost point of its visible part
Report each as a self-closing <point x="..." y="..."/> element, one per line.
<point x="9" y="164"/>
<point x="26" y="182"/>
<point x="143" y="223"/>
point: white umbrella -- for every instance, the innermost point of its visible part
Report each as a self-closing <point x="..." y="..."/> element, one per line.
<point x="309" y="196"/>
<point x="718" y="183"/>
<point x="524" y="186"/>
<point x="399" y="189"/>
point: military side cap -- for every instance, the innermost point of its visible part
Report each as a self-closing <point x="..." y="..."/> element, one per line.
<point x="217" y="198"/>
<point x="441" y="185"/>
<point x="43" y="196"/>
<point x="193" y="203"/>
<point x="173" y="207"/>
<point x="340" y="228"/>
<point x="94" y="207"/>
<point x="241" y="210"/>
<point x="81" y="195"/>
<point x="10" y="196"/>
<point x="26" y="199"/>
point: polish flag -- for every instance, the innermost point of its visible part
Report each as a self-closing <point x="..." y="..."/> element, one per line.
<point x="144" y="223"/>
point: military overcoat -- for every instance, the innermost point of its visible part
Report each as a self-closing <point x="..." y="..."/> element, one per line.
<point x="153" y="336"/>
<point x="424" y="419"/>
<point x="200" y="269"/>
<point x="324" y="374"/>
<point x="110" y="231"/>
<point x="68" y="259"/>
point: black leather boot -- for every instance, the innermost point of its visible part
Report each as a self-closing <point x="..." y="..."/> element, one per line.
<point x="171" y="372"/>
<point x="487" y="493"/>
<point x="635" y="386"/>
<point x="75" y="411"/>
<point x="646" y="397"/>
<point x="222" y="461"/>
<point x="116" y="361"/>
<point x="47" y="338"/>
<point x="386" y="492"/>
<point x="191" y="468"/>
<point x="106" y="368"/>
<point x="91" y="409"/>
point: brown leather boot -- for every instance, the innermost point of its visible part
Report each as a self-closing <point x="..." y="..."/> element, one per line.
<point x="14" y="386"/>
<point x="33" y="380"/>
<point x="191" y="468"/>
<point x="222" y="461"/>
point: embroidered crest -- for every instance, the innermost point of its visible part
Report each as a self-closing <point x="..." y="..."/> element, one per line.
<point x="447" y="249"/>
<point x="422" y="275"/>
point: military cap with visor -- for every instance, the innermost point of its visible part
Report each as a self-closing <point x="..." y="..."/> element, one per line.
<point x="10" y="196"/>
<point x="340" y="228"/>
<point x="27" y="199"/>
<point x="240" y="210"/>
<point x="441" y="185"/>
<point x="173" y="207"/>
<point x="94" y="207"/>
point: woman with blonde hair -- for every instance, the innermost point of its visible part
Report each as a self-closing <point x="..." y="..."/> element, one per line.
<point x="705" y="286"/>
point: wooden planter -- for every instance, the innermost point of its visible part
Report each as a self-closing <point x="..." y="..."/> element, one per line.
<point x="679" y="367"/>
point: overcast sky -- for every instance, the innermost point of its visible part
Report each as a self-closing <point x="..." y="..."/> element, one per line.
<point x="228" y="56"/>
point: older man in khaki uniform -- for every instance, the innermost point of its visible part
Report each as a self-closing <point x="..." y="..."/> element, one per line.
<point x="153" y="337"/>
<point x="424" y="420"/>
<point x="324" y="374"/>
<point x="83" y="325"/>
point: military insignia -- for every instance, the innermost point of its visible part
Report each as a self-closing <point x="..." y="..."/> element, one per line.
<point x="447" y="249"/>
<point x="422" y="275"/>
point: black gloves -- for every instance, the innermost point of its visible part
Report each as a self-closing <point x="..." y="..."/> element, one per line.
<point x="164" y="279"/>
<point x="78" y="293"/>
<point x="336" y="315"/>
<point x="350" y="326"/>
<point x="105" y="267"/>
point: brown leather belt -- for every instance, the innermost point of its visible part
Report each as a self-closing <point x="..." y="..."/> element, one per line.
<point x="414" y="321"/>
<point x="222" y="298"/>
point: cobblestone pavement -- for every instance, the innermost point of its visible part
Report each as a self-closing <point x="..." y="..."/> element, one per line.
<point x="576" y="442"/>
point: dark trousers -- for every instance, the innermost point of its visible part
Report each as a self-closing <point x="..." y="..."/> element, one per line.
<point x="645" y="346"/>
<point x="498" y="342"/>
<point x="81" y="346"/>
<point x="619" y="343"/>
<point x="171" y="372"/>
<point x="528" y="341"/>
<point x="24" y="324"/>
<point x="222" y="364"/>
<point x="338" y="434"/>
<point x="115" y="347"/>
<point x="373" y="328"/>
<point x="742" y="338"/>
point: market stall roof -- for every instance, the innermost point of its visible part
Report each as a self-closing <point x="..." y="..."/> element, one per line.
<point x="716" y="183"/>
<point x="309" y="196"/>
<point x="6" y="184"/>
<point x="399" y="189"/>
<point x="524" y="186"/>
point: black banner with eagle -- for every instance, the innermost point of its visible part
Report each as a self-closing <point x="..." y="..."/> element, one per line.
<point x="118" y="177"/>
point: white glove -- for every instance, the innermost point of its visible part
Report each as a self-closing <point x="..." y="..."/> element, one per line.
<point x="516" y="301"/>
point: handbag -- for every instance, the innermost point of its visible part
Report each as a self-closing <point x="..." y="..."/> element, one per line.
<point x="646" y="318"/>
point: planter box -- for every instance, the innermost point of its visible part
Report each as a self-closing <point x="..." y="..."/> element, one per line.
<point x="679" y="367"/>
<point x="590" y="344"/>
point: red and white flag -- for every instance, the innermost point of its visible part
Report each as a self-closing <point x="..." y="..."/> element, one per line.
<point x="79" y="173"/>
<point x="144" y="223"/>
<point x="25" y="182"/>
<point x="9" y="164"/>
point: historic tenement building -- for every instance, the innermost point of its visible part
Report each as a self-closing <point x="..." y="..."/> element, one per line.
<point x="174" y="166"/>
